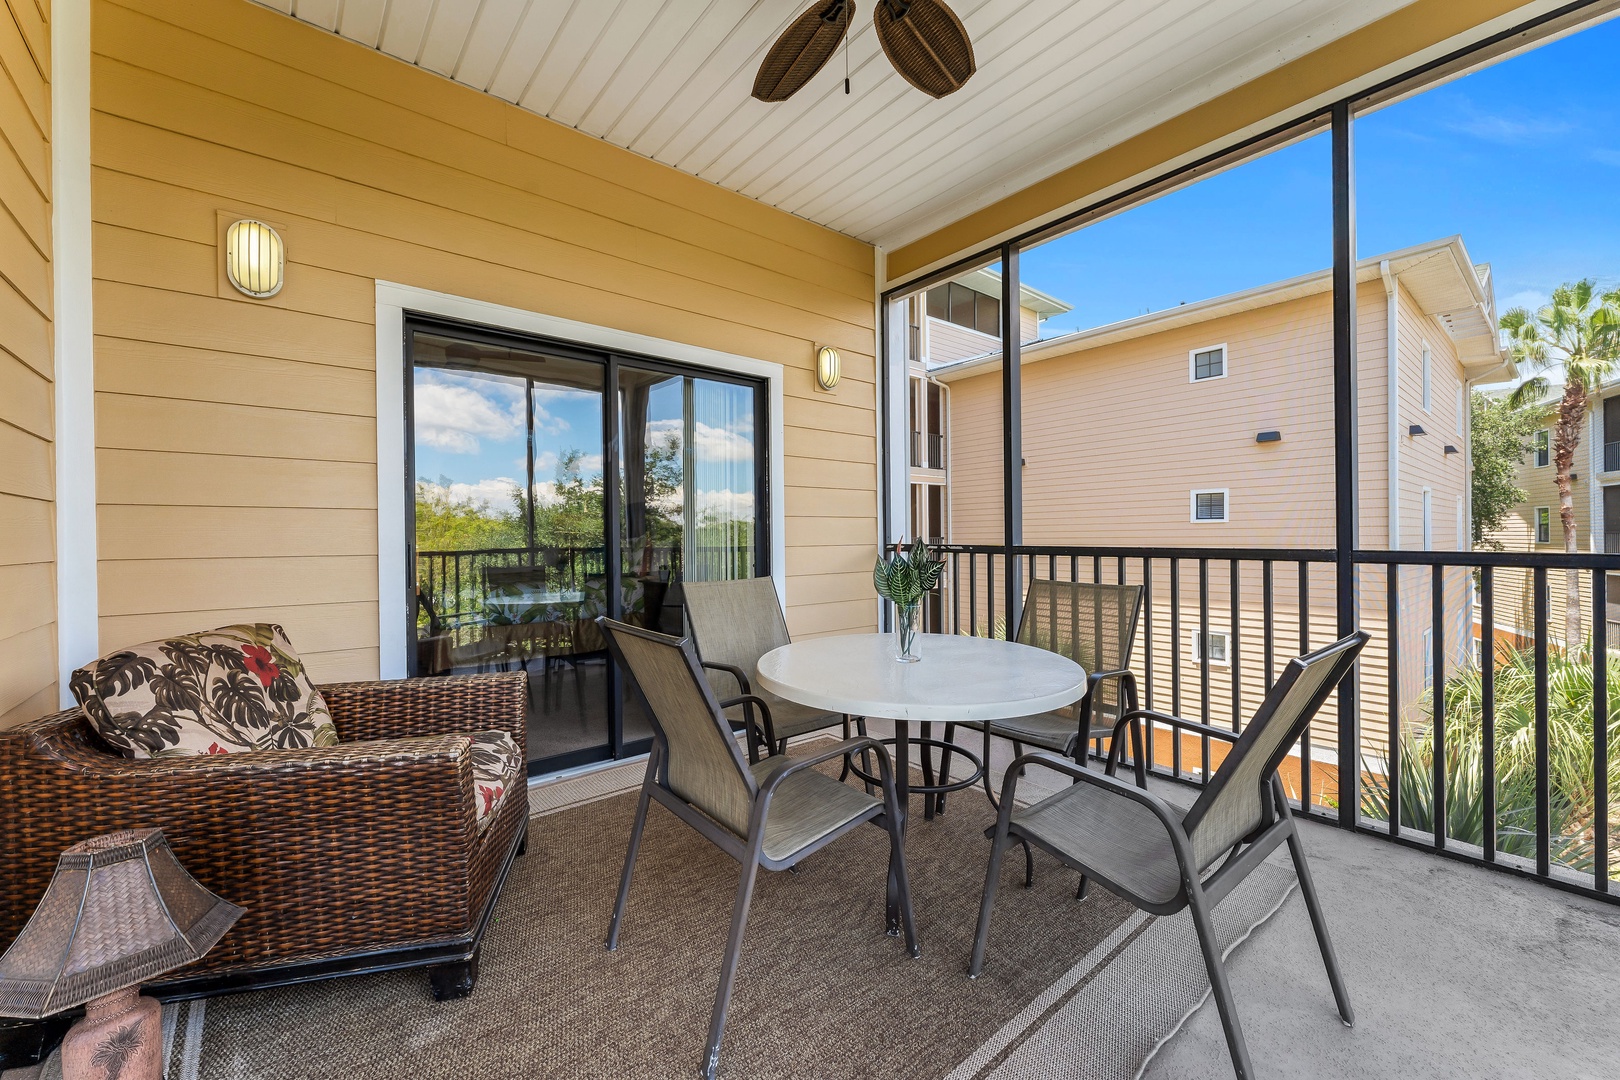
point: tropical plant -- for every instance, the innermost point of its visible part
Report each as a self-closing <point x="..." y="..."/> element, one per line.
<point x="1578" y="332"/>
<point x="904" y="577"/>
<point x="1497" y="433"/>
<point x="1571" y="741"/>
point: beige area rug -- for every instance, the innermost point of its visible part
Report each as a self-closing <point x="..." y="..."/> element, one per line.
<point x="1083" y="989"/>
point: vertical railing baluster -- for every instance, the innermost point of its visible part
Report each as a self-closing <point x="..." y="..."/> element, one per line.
<point x="1268" y="601"/>
<point x="1234" y="655"/>
<point x="1175" y="662"/>
<point x="1096" y="569"/>
<point x="956" y="592"/>
<point x="1543" y="792"/>
<point x="1437" y="699"/>
<point x="1392" y="632"/>
<point x="1600" y="731"/>
<point x="1203" y="666"/>
<point x="1305" y="647"/>
<point x="990" y="593"/>
<point x="973" y="594"/>
<point x="1147" y="638"/>
<point x="1487" y="678"/>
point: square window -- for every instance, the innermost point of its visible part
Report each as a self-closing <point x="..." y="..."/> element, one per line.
<point x="1543" y="525"/>
<point x="1208" y="363"/>
<point x="1209" y="505"/>
<point x="1219" y="647"/>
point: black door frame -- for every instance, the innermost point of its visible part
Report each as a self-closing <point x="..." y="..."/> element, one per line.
<point x="610" y="361"/>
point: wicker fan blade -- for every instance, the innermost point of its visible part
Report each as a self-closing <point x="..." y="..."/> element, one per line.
<point x="926" y="43"/>
<point x="803" y="49"/>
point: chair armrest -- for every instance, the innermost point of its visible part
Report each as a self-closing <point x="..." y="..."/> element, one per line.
<point x="767" y="732"/>
<point x="1167" y="815"/>
<point x="732" y="670"/>
<point x="402" y="708"/>
<point x="1177" y="722"/>
<point x="1127" y="692"/>
<point x="789" y="766"/>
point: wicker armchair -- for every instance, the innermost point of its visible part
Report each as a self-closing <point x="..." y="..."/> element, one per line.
<point x="357" y="857"/>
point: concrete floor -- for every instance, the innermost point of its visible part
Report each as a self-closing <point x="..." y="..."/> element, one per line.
<point x="1454" y="971"/>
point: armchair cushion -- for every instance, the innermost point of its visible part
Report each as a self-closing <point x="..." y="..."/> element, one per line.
<point x="221" y="691"/>
<point x="497" y="765"/>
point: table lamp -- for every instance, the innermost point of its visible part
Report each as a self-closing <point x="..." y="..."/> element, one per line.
<point x="120" y="910"/>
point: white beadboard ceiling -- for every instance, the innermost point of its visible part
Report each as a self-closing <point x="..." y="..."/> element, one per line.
<point x="1058" y="81"/>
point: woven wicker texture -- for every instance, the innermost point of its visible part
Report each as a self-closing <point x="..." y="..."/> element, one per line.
<point x="803" y="49"/>
<point x="321" y="845"/>
<point x="735" y="623"/>
<point x="926" y="43"/>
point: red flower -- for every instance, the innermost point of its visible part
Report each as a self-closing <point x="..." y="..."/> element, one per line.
<point x="490" y="794"/>
<point x="215" y="748"/>
<point x="260" y="664"/>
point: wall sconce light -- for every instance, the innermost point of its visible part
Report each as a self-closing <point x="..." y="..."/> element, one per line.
<point x="255" y="260"/>
<point x="1415" y="430"/>
<point x="1452" y="449"/>
<point x="829" y="367"/>
<point x="1269" y="436"/>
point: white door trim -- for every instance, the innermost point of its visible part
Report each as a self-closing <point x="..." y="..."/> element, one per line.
<point x="393" y="301"/>
<point x="77" y="609"/>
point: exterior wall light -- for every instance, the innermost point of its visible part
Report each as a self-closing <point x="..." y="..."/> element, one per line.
<point x="828" y="367"/>
<point x="1415" y="430"/>
<point x="1452" y="449"/>
<point x="255" y="260"/>
<point x="1269" y="436"/>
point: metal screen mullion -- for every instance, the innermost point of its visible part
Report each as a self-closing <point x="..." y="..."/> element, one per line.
<point x="1175" y="663"/>
<point x="1392" y="768"/>
<point x="1268" y="595"/>
<point x="1305" y="647"/>
<point x="1600" y="730"/>
<point x="1543" y="794"/>
<point x="1203" y="666"/>
<point x="1437" y="699"/>
<point x="1487" y="676"/>
<point x="1233" y="655"/>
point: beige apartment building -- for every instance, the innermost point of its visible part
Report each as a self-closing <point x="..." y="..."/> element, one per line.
<point x="1534" y="523"/>
<point x="1210" y="425"/>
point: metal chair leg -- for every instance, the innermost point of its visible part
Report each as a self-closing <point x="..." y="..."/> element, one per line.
<point x="1218" y="983"/>
<point x="843" y="773"/>
<point x="866" y="754"/>
<point x="925" y="730"/>
<point x="989" y="789"/>
<point x="635" y="846"/>
<point x="992" y="881"/>
<point x="897" y="870"/>
<point x="728" y="967"/>
<point x="1330" y="959"/>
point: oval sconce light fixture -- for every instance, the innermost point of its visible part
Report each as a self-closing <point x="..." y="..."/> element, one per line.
<point x="828" y="367"/>
<point x="254" y="258"/>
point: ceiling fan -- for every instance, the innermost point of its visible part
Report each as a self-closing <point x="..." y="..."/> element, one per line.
<point x="923" y="39"/>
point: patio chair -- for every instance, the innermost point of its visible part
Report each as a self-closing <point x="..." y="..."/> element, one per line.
<point x="734" y="623"/>
<point x="769" y="814"/>
<point x="1154" y="855"/>
<point x="1095" y="626"/>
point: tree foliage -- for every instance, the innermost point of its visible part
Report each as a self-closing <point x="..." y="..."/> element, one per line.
<point x="1499" y="429"/>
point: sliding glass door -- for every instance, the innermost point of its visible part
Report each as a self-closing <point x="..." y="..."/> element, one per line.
<point x="519" y="541"/>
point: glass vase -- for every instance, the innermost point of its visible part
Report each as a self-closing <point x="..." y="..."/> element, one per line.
<point x="906" y="632"/>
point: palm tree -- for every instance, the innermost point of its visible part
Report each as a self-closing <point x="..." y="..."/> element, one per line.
<point x="1579" y="332"/>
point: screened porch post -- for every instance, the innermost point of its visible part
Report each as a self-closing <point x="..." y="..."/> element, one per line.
<point x="1346" y="517"/>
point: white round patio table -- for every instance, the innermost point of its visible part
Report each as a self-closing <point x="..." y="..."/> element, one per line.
<point x="957" y="679"/>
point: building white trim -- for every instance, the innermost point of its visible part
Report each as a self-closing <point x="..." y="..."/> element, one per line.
<point x="1226" y="505"/>
<point x="393" y="302"/>
<point x="1192" y="363"/>
<point x="78" y="638"/>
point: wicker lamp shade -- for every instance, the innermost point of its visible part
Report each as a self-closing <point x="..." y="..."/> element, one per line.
<point x="120" y="910"/>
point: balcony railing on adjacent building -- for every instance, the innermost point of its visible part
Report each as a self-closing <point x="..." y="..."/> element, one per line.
<point x="1513" y="770"/>
<point x="927" y="450"/>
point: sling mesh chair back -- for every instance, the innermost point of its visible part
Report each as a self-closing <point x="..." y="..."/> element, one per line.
<point x="1095" y="626"/>
<point x="770" y="814"/>
<point x="1157" y="856"/>
<point x="734" y="623"/>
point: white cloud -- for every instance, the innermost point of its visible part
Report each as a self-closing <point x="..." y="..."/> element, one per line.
<point x="1607" y="157"/>
<point x="454" y="415"/>
<point x="711" y="443"/>
<point x="494" y="493"/>
<point x="724" y="504"/>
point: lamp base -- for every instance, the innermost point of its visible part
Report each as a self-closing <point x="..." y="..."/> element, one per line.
<point x="120" y="1038"/>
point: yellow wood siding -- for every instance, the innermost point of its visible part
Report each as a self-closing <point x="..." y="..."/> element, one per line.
<point x="27" y="538"/>
<point x="237" y="439"/>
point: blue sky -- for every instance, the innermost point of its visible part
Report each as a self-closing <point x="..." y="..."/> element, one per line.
<point x="1521" y="159"/>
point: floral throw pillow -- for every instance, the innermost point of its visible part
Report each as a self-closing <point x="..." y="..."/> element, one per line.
<point x="222" y="691"/>
<point x="497" y="767"/>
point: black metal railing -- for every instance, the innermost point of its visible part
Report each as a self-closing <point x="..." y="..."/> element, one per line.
<point x="1611" y="456"/>
<point x="1511" y="769"/>
<point x="927" y="450"/>
<point x="457" y="582"/>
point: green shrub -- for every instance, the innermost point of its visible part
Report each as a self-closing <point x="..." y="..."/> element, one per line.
<point x="1571" y="740"/>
